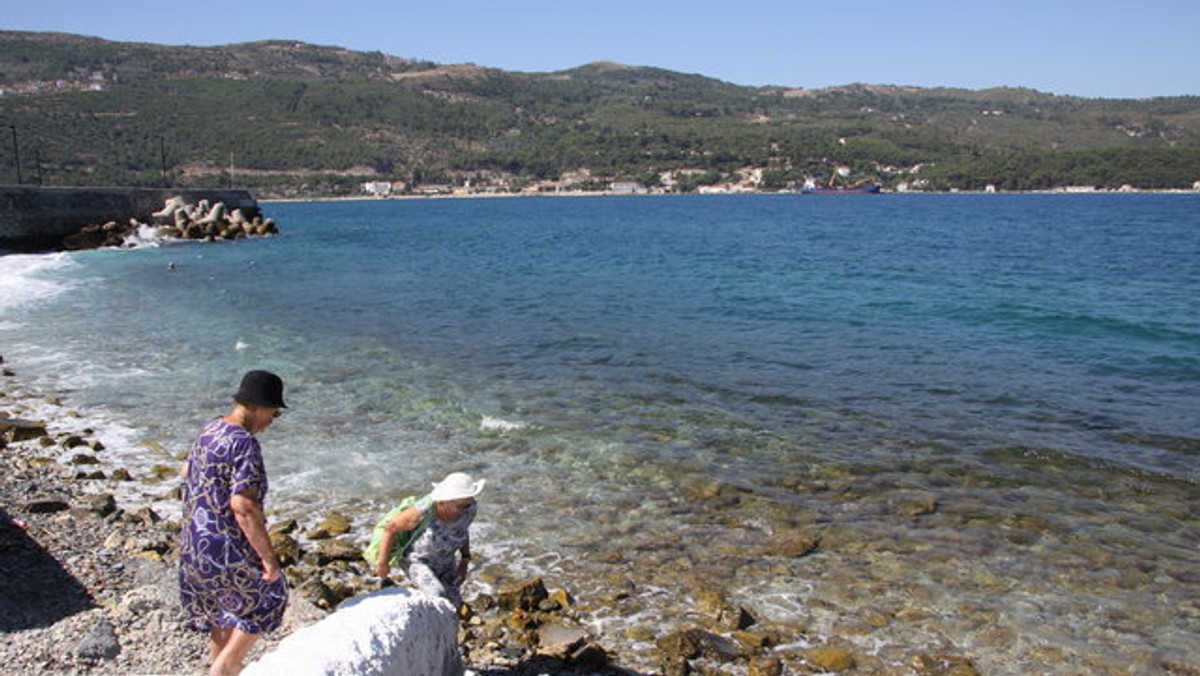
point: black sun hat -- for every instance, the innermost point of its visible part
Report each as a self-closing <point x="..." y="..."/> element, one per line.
<point x="261" y="388"/>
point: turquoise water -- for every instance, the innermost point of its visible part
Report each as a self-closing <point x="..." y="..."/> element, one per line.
<point x="660" y="390"/>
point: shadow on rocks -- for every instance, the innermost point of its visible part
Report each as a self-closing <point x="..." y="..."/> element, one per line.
<point x="540" y="665"/>
<point x="35" y="590"/>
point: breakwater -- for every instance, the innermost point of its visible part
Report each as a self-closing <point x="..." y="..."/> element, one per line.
<point x="37" y="218"/>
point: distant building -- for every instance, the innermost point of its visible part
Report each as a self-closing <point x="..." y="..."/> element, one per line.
<point x="434" y="189"/>
<point x="377" y="188"/>
<point x="627" y="188"/>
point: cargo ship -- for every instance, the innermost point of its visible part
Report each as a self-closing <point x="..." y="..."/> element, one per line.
<point x="838" y="190"/>
<point x="811" y="188"/>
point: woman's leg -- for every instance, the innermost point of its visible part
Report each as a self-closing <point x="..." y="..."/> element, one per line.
<point x="217" y="638"/>
<point x="229" y="661"/>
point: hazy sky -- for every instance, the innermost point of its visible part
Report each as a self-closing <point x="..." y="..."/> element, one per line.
<point x="1097" y="48"/>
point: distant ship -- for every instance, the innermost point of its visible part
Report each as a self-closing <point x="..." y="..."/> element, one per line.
<point x="838" y="190"/>
<point x="811" y="188"/>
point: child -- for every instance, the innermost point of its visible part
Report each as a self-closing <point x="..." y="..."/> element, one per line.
<point x="424" y="535"/>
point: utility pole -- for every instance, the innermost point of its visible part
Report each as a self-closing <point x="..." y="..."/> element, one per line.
<point x="16" y="152"/>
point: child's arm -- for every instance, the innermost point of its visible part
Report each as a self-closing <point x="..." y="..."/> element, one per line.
<point x="404" y="521"/>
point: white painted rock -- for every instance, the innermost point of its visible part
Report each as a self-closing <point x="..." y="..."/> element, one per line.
<point x="393" y="631"/>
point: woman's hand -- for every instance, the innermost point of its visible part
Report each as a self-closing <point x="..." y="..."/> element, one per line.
<point x="271" y="569"/>
<point x="382" y="570"/>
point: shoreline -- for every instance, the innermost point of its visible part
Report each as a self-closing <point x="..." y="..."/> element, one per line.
<point x="784" y="193"/>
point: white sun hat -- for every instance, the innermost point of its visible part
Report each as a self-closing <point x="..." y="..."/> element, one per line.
<point x="457" y="486"/>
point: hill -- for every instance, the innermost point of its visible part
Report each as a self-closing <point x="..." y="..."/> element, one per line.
<point x="295" y="119"/>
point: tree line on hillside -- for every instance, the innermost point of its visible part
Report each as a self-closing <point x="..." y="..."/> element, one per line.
<point x="288" y="118"/>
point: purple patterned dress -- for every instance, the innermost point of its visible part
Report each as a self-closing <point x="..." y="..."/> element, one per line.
<point x="220" y="574"/>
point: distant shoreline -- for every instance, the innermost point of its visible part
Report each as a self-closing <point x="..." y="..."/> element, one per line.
<point x="577" y="193"/>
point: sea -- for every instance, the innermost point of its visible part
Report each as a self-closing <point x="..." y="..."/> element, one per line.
<point x="918" y="427"/>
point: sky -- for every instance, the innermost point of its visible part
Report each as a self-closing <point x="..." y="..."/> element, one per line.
<point x="1095" y="49"/>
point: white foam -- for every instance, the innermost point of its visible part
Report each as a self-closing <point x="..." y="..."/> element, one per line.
<point x="143" y="237"/>
<point x="490" y="424"/>
<point x="21" y="278"/>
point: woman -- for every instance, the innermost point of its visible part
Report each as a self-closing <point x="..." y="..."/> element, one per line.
<point x="438" y="526"/>
<point x="229" y="577"/>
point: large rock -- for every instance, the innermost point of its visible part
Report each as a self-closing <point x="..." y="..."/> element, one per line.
<point x="17" y="430"/>
<point x="525" y="595"/>
<point x="100" y="642"/>
<point x="391" y="632"/>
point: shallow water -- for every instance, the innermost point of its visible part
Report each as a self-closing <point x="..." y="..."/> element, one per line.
<point x="982" y="406"/>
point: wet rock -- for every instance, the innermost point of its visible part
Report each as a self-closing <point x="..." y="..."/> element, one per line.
<point x="680" y="645"/>
<point x="827" y="658"/>
<point x="726" y="615"/>
<point x="558" y="640"/>
<point x="796" y="545"/>
<point x="286" y="549"/>
<point x="913" y="503"/>
<point x="754" y="641"/>
<point x="285" y="527"/>
<point x="164" y="472"/>
<point x="523" y="595"/>
<point x="765" y="666"/>
<point x="521" y="620"/>
<point x="16" y="430"/>
<point x="331" y="526"/>
<point x="720" y="648"/>
<point x="337" y="550"/>
<point x="943" y="665"/>
<point x="558" y="599"/>
<point x="318" y="593"/>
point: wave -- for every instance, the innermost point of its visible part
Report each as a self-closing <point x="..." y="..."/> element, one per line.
<point x="24" y="278"/>
<point x="490" y="424"/>
<point x="143" y="237"/>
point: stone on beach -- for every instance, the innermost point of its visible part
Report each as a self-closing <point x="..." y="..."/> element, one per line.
<point x="392" y="631"/>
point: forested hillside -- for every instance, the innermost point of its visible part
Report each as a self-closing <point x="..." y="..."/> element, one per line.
<point x="295" y="119"/>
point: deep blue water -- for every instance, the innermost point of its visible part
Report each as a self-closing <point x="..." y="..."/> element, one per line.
<point x="644" y="348"/>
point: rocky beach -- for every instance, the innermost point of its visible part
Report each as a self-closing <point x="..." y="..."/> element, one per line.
<point x="88" y="581"/>
<point x="88" y="584"/>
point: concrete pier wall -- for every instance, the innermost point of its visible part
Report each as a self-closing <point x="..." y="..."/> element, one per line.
<point x="34" y="218"/>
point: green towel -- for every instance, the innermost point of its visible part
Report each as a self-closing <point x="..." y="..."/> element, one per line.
<point x="402" y="540"/>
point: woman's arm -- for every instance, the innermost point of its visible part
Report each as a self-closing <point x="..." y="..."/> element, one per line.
<point x="249" y="515"/>
<point x="404" y="521"/>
